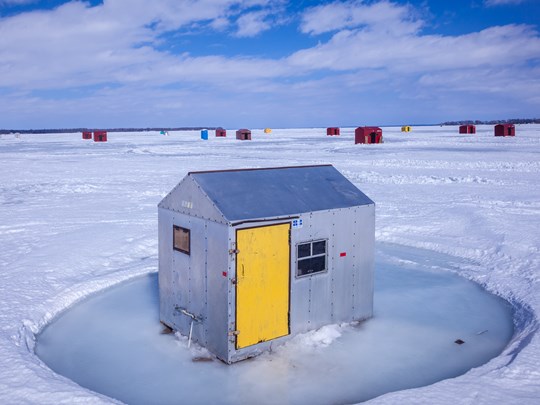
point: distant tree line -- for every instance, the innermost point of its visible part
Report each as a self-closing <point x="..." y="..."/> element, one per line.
<point x="71" y="130"/>
<point x="494" y="122"/>
<point x="74" y="130"/>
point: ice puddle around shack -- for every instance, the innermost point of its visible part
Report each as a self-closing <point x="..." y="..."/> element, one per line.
<point x="113" y="343"/>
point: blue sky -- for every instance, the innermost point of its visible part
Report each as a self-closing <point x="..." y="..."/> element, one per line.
<point x="266" y="63"/>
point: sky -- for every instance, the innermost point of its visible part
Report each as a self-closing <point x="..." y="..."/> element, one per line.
<point x="266" y="63"/>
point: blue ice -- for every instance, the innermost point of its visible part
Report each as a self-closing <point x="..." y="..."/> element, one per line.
<point x="112" y="343"/>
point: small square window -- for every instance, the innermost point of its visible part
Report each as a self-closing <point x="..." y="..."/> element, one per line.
<point x="181" y="239"/>
<point x="311" y="258"/>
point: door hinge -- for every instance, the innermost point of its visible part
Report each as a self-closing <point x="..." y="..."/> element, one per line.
<point x="234" y="332"/>
<point x="233" y="250"/>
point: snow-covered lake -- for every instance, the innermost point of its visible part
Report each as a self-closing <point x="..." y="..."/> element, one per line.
<point x="78" y="217"/>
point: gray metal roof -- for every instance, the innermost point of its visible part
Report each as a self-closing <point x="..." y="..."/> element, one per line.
<point x="275" y="192"/>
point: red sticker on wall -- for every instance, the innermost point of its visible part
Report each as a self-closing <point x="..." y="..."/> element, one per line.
<point x="224" y="274"/>
<point x="343" y="254"/>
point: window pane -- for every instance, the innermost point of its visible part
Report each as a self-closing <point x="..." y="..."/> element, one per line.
<point x="311" y="265"/>
<point x="318" y="264"/>
<point x="319" y="247"/>
<point x="304" y="250"/>
<point x="181" y="239"/>
<point x="304" y="267"/>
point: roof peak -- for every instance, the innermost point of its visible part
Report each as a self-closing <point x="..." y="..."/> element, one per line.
<point x="257" y="168"/>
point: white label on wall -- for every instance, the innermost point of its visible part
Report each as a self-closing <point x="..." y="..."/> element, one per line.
<point x="297" y="223"/>
<point x="187" y="204"/>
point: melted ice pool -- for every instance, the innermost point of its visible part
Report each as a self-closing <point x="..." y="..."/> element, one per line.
<point x="112" y="343"/>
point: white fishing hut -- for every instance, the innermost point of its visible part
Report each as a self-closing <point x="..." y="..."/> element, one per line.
<point x="249" y="258"/>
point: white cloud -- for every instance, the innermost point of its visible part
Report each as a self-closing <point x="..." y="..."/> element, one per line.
<point x="499" y="60"/>
<point x="220" y="24"/>
<point x="251" y="24"/>
<point x="375" y="47"/>
<point x="79" y="45"/>
<point x="365" y="48"/>
<point x="378" y="16"/>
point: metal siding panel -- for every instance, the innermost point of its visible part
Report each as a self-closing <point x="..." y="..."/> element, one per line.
<point x="181" y="263"/>
<point x="165" y="274"/>
<point x="343" y="269"/>
<point x="300" y="287"/>
<point x="320" y="312"/>
<point x="216" y="322"/>
<point x="197" y="284"/>
<point x="364" y="259"/>
<point x="172" y="281"/>
<point x="320" y="296"/>
<point x="310" y="295"/>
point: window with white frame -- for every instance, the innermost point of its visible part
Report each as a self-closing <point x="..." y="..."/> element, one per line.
<point x="311" y="258"/>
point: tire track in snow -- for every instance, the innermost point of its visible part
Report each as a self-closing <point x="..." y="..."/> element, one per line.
<point x="491" y="166"/>
<point x="379" y="178"/>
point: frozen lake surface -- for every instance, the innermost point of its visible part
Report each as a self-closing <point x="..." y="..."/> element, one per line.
<point x="112" y="343"/>
<point x="77" y="217"/>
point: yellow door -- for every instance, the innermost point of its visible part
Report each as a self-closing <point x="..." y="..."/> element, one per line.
<point x="262" y="289"/>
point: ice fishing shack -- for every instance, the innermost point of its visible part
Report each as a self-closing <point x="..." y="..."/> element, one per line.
<point x="249" y="258"/>
<point x="505" y="130"/>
